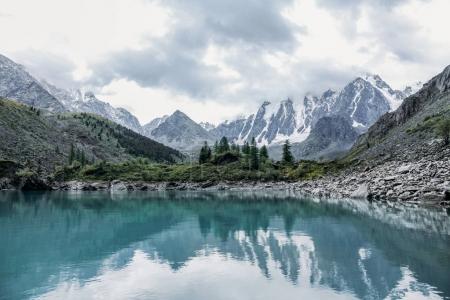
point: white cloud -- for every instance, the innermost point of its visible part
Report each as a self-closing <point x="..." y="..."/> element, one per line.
<point x="158" y="102"/>
<point x="205" y="58"/>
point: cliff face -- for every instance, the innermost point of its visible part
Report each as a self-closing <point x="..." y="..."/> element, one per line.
<point x="330" y="137"/>
<point x="412" y="127"/>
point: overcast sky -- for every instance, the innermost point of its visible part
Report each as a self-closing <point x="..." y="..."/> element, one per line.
<point x="216" y="59"/>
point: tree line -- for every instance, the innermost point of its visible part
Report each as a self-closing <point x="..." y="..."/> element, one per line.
<point x="252" y="155"/>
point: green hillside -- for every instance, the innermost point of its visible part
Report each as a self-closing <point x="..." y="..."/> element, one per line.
<point x="43" y="141"/>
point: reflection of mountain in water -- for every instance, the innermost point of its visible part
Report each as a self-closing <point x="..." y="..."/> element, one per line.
<point x="332" y="244"/>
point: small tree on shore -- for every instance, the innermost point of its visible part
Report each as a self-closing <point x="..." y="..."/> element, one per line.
<point x="444" y="130"/>
<point x="287" y="158"/>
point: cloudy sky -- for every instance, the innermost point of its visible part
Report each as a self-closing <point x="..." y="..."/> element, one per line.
<point x="216" y="59"/>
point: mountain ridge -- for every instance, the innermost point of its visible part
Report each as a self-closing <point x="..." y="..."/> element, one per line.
<point x="43" y="141"/>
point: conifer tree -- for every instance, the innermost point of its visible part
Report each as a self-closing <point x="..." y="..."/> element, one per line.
<point x="223" y="145"/>
<point x="71" y="154"/>
<point x="254" y="161"/>
<point x="216" y="148"/>
<point x="83" y="158"/>
<point x="263" y="154"/>
<point x="78" y="155"/>
<point x="246" y="148"/>
<point x="288" y="158"/>
<point x="205" y="154"/>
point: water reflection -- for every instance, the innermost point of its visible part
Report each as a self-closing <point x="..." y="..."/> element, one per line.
<point x="218" y="246"/>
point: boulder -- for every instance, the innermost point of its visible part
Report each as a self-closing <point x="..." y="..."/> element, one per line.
<point x="404" y="169"/>
<point x="362" y="192"/>
<point x="117" y="185"/>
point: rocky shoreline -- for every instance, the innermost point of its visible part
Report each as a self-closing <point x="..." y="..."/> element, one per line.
<point x="422" y="183"/>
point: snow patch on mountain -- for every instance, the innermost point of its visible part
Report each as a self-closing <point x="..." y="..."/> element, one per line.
<point x="77" y="100"/>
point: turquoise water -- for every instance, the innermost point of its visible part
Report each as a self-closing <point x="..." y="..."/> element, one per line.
<point x="192" y="245"/>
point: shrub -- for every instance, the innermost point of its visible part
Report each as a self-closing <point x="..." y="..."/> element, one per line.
<point x="443" y="130"/>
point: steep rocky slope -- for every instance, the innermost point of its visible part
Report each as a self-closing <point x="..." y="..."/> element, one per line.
<point x="361" y="102"/>
<point x="410" y="131"/>
<point x="329" y="138"/>
<point x="402" y="156"/>
<point x="178" y="131"/>
<point x="78" y="101"/>
<point x="17" y="84"/>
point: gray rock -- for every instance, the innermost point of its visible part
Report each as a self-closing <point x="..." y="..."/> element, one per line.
<point x="404" y="169"/>
<point x="362" y="192"/>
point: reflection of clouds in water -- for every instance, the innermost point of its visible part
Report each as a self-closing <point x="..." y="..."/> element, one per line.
<point x="409" y="287"/>
<point x="212" y="277"/>
<point x="214" y="274"/>
<point x="364" y="253"/>
<point x="289" y="245"/>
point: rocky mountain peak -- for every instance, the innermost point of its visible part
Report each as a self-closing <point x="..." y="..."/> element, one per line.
<point x="412" y="89"/>
<point x="89" y="96"/>
<point x="178" y="131"/>
<point x="442" y="81"/>
<point x="17" y="84"/>
<point x="328" y="94"/>
<point x="208" y="126"/>
<point x="179" y="114"/>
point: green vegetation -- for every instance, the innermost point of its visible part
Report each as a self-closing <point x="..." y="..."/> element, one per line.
<point x="222" y="163"/>
<point x="437" y="124"/>
<point x="43" y="142"/>
<point x="287" y="158"/>
<point x="81" y="146"/>
<point x="443" y="130"/>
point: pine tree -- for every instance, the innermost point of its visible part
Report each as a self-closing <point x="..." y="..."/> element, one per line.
<point x="223" y="145"/>
<point x="254" y="161"/>
<point x="216" y="148"/>
<point x="83" y="158"/>
<point x="78" y="155"/>
<point x="205" y="154"/>
<point x="71" y="154"/>
<point x="246" y="148"/>
<point x="263" y="154"/>
<point x="208" y="154"/>
<point x="287" y="158"/>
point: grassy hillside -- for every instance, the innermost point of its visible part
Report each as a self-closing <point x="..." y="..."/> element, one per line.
<point x="42" y="141"/>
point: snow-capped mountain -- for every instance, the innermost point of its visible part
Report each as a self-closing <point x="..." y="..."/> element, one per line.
<point x="153" y="124"/>
<point x="207" y="126"/>
<point x="361" y="103"/>
<point x="78" y="101"/>
<point x="178" y="131"/>
<point x="17" y="84"/>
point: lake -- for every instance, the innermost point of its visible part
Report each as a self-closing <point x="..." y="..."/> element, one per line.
<point x="218" y="245"/>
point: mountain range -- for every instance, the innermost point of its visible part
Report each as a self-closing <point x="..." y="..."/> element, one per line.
<point x="356" y="107"/>
<point x="17" y="84"/>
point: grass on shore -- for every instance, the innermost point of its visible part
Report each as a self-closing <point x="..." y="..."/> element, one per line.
<point x="144" y="170"/>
